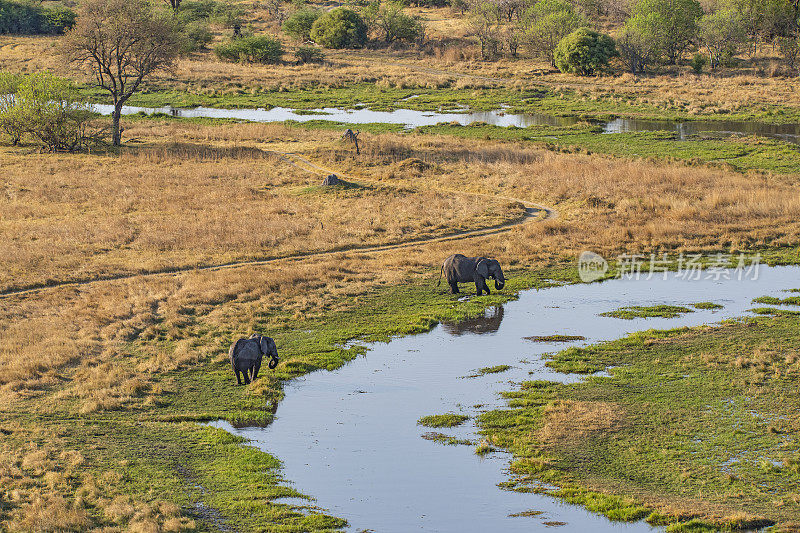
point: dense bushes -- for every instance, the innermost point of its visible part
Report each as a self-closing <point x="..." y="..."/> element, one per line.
<point x="46" y="109"/>
<point x="309" y="54"/>
<point x="585" y="52"/>
<point x="340" y="28"/>
<point x="299" y="24"/>
<point x="30" y="19"/>
<point x="251" y="49"/>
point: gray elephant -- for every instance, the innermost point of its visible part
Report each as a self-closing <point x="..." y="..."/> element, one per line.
<point x="246" y="356"/>
<point x="460" y="269"/>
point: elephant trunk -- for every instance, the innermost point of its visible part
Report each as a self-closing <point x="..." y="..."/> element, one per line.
<point x="499" y="283"/>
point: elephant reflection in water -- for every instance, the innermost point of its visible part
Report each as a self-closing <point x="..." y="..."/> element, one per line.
<point x="488" y="323"/>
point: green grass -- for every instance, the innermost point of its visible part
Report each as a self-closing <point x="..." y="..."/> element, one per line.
<point x="447" y="440"/>
<point x="682" y="403"/>
<point x="448" y="420"/>
<point x="555" y="338"/>
<point x="791" y="300"/>
<point x="493" y="369"/>
<point x="707" y="305"/>
<point x="168" y="455"/>
<point x="652" y="311"/>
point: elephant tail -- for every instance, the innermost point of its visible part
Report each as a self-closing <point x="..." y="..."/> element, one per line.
<point x="440" y="276"/>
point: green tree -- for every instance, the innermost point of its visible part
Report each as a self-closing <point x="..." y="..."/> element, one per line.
<point x="584" y="52"/>
<point x="340" y="28"/>
<point x="722" y="33"/>
<point x="640" y="42"/>
<point x="121" y="42"/>
<point x="677" y="21"/>
<point x="397" y="25"/>
<point x="547" y="22"/>
<point x="299" y="23"/>
<point x="46" y="108"/>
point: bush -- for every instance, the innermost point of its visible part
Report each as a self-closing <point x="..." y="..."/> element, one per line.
<point x="309" y="54"/>
<point x="46" y="108"/>
<point x="397" y="25"/>
<point x="196" y="10"/>
<point x="299" y="24"/>
<point x="340" y="28"/>
<point x="27" y="19"/>
<point x="196" y="36"/>
<point x="584" y="52"/>
<point x="698" y="62"/>
<point x="251" y="49"/>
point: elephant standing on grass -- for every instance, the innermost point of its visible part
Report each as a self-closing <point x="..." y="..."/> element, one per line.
<point x="246" y="356"/>
<point x="460" y="269"/>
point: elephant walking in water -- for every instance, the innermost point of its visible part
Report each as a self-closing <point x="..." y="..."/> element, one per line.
<point x="246" y="356"/>
<point x="460" y="269"/>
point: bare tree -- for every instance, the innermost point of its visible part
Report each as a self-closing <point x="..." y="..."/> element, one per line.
<point x="121" y="42"/>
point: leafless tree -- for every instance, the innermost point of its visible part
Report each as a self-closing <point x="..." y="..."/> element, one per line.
<point x="121" y="42"/>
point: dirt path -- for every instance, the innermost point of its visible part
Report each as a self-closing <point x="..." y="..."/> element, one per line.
<point x="532" y="212"/>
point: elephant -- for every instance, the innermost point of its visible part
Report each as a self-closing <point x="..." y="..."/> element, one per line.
<point x="460" y="269"/>
<point x="246" y="356"/>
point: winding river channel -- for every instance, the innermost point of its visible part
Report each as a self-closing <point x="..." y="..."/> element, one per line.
<point x="412" y="118"/>
<point x="350" y="439"/>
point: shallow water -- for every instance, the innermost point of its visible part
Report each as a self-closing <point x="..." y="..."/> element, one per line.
<point x="350" y="438"/>
<point x="412" y="119"/>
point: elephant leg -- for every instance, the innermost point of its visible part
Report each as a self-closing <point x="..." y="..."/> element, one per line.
<point x="454" y="287"/>
<point x="256" y="369"/>
<point x="246" y="376"/>
<point x="238" y="378"/>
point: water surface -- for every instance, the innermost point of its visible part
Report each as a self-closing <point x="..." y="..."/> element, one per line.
<point x="411" y="119"/>
<point x="349" y="437"/>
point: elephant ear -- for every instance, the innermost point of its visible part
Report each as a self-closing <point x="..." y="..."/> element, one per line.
<point x="482" y="268"/>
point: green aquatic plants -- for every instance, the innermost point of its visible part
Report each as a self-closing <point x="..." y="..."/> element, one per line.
<point x="791" y="300"/>
<point x="442" y="421"/>
<point x="676" y="406"/>
<point x="637" y="311"/>
<point x="707" y="305"/>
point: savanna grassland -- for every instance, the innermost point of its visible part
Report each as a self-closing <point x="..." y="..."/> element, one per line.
<point x="126" y="274"/>
<point x="103" y="381"/>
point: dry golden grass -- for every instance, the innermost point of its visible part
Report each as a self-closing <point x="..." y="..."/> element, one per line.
<point x="175" y="198"/>
<point x="569" y="421"/>
<point x="605" y="204"/>
<point x="178" y="203"/>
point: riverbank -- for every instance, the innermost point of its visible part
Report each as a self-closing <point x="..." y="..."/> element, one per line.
<point x="688" y="423"/>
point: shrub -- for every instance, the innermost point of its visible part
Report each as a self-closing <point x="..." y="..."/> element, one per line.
<point x="547" y="22"/>
<point x="299" y="24"/>
<point x="46" y="108"/>
<point x="195" y="10"/>
<point x="584" y="51"/>
<point x="196" y="36"/>
<point x="698" y="62"/>
<point x="251" y="49"/>
<point x="309" y="54"/>
<point x="640" y="43"/>
<point x="397" y="25"/>
<point x="17" y="18"/>
<point x="340" y="28"/>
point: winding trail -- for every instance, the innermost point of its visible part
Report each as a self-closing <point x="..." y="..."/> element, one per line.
<point x="533" y="211"/>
